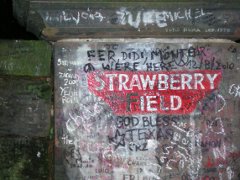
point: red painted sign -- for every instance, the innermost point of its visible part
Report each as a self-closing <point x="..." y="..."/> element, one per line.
<point x="163" y="92"/>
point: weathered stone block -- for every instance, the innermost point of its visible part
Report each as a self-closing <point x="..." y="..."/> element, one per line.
<point x="54" y="20"/>
<point x="23" y="158"/>
<point x="25" y="107"/>
<point x="25" y="58"/>
<point x="26" y="133"/>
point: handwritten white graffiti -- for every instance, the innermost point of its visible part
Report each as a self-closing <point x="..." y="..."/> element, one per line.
<point x="159" y="18"/>
<point x="76" y="16"/>
<point x="234" y="90"/>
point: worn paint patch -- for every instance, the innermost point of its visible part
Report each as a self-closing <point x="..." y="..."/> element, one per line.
<point x="175" y="92"/>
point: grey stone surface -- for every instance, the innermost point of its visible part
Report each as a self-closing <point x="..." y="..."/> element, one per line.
<point x="54" y="20"/>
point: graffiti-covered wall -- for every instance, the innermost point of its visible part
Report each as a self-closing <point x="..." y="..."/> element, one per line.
<point x="60" y="19"/>
<point x="147" y="109"/>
